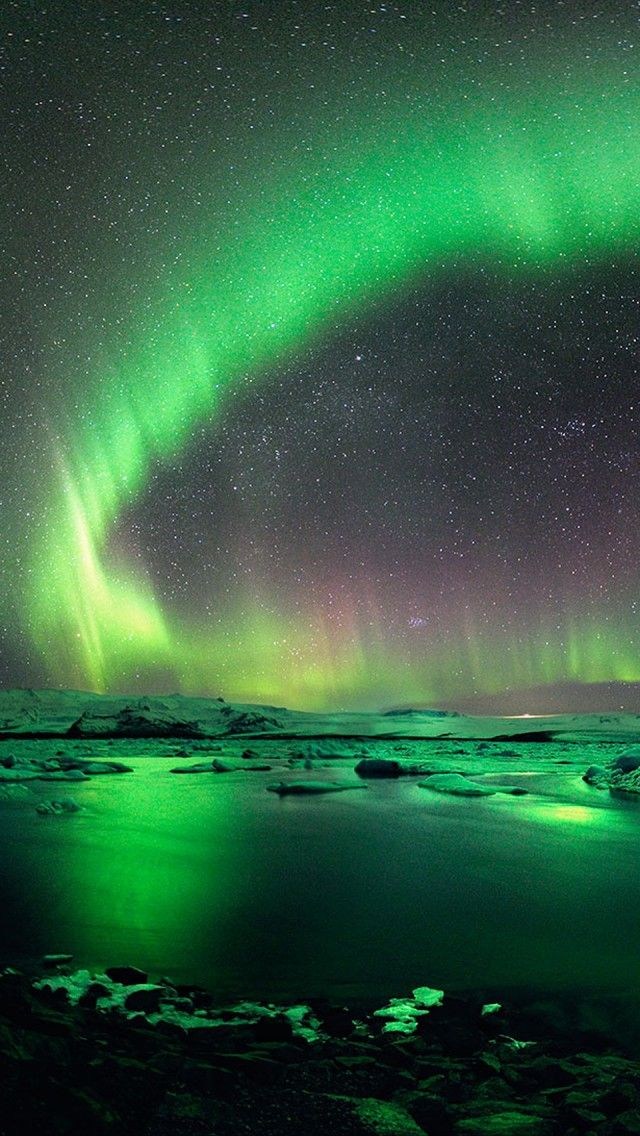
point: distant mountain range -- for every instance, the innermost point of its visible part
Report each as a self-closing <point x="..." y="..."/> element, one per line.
<point x="79" y="714"/>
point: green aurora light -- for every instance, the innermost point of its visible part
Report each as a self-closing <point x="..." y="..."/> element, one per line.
<point x="544" y="179"/>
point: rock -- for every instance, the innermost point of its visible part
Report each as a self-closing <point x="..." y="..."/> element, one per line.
<point x="137" y="721"/>
<point x="277" y="1028"/>
<point x="219" y="766"/>
<point x="378" y="767"/>
<point x="595" y="775"/>
<point x="19" y="774"/>
<point x="127" y="975"/>
<point x="98" y="767"/>
<point x="58" y="808"/>
<point x="309" y="788"/>
<point x="385" y="1118"/>
<point x="334" y="1020"/>
<point x="64" y="775"/>
<point x="91" y="995"/>
<point x="145" y="999"/>
<point x="199" y="767"/>
<point x="429" y="1110"/>
<point x="627" y="1122"/>
<point x="503" y="1122"/>
<point x="627" y="762"/>
<point x="248" y="721"/>
<point x="252" y="1064"/>
<point x="620" y="776"/>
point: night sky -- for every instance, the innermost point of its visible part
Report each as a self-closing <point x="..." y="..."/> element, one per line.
<point x="320" y="329"/>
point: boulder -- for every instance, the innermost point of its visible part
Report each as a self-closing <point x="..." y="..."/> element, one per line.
<point x="627" y="762"/>
<point x="620" y="776"/>
<point x="309" y="788"/>
<point x="94" y="991"/>
<point x="596" y="775"/>
<point x="145" y="999"/>
<point x="127" y="975"/>
<point x="378" y="767"/>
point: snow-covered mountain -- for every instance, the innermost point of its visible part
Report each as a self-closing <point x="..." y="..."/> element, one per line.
<point x="47" y="713"/>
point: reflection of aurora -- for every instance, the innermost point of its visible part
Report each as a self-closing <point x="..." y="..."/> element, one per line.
<point x="169" y="895"/>
<point x="545" y="178"/>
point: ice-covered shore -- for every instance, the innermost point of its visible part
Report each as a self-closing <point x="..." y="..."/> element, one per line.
<point x="112" y="1055"/>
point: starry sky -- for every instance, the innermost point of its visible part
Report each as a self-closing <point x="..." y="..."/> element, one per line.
<point x="320" y="352"/>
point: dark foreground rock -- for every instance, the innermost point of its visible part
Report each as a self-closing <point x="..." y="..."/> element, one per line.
<point x="94" y="1067"/>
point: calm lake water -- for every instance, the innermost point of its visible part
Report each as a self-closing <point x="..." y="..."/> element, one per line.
<point x="211" y="879"/>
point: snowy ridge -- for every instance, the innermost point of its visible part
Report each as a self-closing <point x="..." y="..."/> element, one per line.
<point x="59" y="713"/>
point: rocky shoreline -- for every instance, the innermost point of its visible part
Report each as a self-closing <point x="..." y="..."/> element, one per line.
<point x="116" y="1054"/>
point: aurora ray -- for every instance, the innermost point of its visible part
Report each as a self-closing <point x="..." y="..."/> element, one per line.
<point x="542" y="176"/>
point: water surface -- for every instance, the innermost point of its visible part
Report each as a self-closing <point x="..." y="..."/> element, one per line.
<point x="211" y="879"/>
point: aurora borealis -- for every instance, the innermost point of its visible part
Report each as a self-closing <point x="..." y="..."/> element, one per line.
<point x="320" y="340"/>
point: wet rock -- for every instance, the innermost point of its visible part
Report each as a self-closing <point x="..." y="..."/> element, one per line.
<point x="127" y="975"/>
<point x="233" y="767"/>
<point x="276" y="1028"/>
<point x="92" y="994"/>
<point x="504" y="1122"/>
<point x="309" y="788"/>
<point x="430" y="1111"/>
<point x="19" y="1003"/>
<point x="627" y="762"/>
<point x="58" y="808"/>
<point x="101" y="767"/>
<point x="621" y="1097"/>
<point x="546" y="1073"/>
<point x="385" y="1118"/>
<point x="213" y="1080"/>
<point x="20" y="773"/>
<point x="595" y="775"/>
<point x="252" y="1064"/>
<point x="199" y="767"/>
<point x="65" y="775"/>
<point x="147" y="999"/>
<point x="626" y="1124"/>
<point x="378" y="767"/>
<point x="337" y="1021"/>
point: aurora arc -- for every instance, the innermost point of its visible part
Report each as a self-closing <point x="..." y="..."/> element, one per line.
<point x="541" y="178"/>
